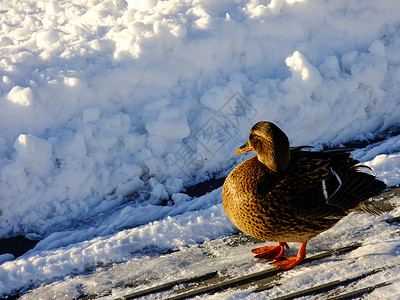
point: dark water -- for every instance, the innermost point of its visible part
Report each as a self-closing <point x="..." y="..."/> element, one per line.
<point x="17" y="245"/>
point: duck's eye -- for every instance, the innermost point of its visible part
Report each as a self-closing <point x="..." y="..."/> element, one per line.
<point x="254" y="135"/>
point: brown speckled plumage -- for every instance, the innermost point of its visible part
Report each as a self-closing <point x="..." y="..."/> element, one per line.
<point x="291" y="194"/>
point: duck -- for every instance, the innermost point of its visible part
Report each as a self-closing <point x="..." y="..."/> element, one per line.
<point x="292" y="194"/>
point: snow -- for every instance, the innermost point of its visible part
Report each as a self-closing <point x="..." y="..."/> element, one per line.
<point x="110" y="108"/>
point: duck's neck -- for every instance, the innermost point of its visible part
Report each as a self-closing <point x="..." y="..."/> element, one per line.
<point x="275" y="161"/>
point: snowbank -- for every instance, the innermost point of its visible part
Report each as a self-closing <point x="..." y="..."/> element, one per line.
<point x="98" y="99"/>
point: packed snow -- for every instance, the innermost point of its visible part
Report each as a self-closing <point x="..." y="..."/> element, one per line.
<point x="110" y="108"/>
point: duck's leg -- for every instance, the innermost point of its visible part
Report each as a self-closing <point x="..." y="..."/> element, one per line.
<point x="271" y="252"/>
<point x="290" y="262"/>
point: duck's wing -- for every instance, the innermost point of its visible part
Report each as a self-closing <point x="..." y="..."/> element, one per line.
<point x="326" y="184"/>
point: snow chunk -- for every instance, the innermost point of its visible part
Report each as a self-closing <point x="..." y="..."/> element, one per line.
<point x="158" y="192"/>
<point x="47" y="38"/>
<point x="171" y="124"/>
<point x="6" y="41"/>
<point x="369" y="68"/>
<point x="52" y="8"/>
<point x="377" y="48"/>
<point x="22" y="33"/>
<point x="330" y="67"/>
<point x="6" y="257"/>
<point x="74" y="147"/>
<point x="141" y="5"/>
<point x="90" y="114"/>
<point x="304" y="74"/>
<point x="34" y="153"/>
<point x="21" y="96"/>
<point x="386" y="167"/>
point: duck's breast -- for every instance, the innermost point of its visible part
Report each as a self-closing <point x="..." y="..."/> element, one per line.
<point x="245" y="196"/>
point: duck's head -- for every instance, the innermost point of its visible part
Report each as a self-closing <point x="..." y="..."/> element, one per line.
<point x="271" y="145"/>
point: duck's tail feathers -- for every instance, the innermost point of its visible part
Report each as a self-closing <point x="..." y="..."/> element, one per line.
<point x="356" y="188"/>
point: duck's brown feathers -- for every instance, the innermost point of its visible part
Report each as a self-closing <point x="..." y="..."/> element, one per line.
<point x="311" y="195"/>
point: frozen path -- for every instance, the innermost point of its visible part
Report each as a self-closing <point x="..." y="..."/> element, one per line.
<point x="111" y="104"/>
<point x="230" y="256"/>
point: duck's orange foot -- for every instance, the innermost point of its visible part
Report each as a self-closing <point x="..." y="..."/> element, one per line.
<point x="271" y="252"/>
<point x="290" y="262"/>
<point x="287" y="263"/>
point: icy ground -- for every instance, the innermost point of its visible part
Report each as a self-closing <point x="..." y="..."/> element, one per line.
<point x="109" y="108"/>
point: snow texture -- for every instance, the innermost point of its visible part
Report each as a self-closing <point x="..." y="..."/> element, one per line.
<point x="109" y="108"/>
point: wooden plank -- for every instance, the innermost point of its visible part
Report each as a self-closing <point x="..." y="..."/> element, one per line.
<point x="360" y="292"/>
<point x="169" y="285"/>
<point x="252" y="279"/>
<point x="327" y="286"/>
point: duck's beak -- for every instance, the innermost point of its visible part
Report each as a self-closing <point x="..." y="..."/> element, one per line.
<point x="246" y="147"/>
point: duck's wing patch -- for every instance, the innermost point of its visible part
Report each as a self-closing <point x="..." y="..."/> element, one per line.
<point x="326" y="184"/>
<point x="308" y="187"/>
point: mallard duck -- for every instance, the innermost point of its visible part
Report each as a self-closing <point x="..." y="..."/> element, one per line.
<point x="293" y="194"/>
